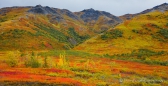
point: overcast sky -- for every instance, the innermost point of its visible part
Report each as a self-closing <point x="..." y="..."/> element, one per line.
<point x="116" y="7"/>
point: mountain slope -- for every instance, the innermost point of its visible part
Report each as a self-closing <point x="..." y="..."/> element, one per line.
<point x="146" y="31"/>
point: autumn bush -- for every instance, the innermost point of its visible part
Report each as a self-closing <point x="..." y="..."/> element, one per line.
<point x="63" y="61"/>
<point x="32" y="61"/>
<point x="45" y="65"/>
<point x="12" y="58"/>
<point x="135" y="31"/>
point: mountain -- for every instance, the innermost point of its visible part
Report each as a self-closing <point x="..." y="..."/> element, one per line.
<point x="42" y="27"/>
<point x="162" y="8"/>
<point x="144" y="34"/>
<point x="45" y="28"/>
<point x="98" y="20"/>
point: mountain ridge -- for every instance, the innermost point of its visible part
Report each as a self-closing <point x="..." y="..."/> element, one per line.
<point x="60" y="27"/>
<point x="163" y="7"/>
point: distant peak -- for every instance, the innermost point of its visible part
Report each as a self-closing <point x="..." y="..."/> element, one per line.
<point x="90" y="10"/>
<point x="164" y="4"/>
<point x="38" y="5"/>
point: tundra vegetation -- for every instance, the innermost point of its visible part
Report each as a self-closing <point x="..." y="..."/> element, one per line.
<point x="47" y="46"/>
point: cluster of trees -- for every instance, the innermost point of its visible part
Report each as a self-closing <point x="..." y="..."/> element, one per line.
<point x="161" y="35"/>
<point x="113" y="34"/>
<point x="33" y="60"/>
<point x="164" y="33"/>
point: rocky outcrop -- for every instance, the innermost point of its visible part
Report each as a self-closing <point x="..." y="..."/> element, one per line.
<point x="69" y="14"/>
<point x="89" y="15"/>
<point x="42" y="10"/>
<point x="112" y="17"/>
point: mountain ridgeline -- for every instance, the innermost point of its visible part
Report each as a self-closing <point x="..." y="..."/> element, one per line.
<point x="45" y="28"/>
<point x="42" y="27"/>
<point x="162" y="8"/>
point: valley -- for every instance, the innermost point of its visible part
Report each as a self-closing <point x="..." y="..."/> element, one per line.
<point x="41" y="45"/>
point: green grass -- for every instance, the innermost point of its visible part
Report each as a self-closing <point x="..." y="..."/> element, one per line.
<point x="68" y="53"/>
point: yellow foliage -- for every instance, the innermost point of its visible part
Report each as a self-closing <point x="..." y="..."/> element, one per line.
<point x="14" y="54"/>
<point x="13" y="58"/>
<point x="62" y="61"/>
<point x="50" y="62"/>
<point x="87" y="64"/>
